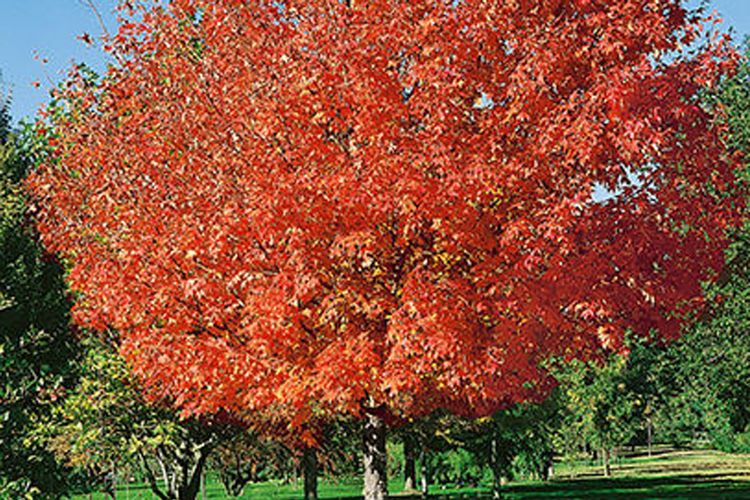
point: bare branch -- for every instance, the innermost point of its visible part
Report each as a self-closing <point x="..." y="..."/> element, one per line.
<point x="89" y="4"/>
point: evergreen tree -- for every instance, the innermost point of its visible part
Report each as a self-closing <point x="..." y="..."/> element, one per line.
<point x="37" y="348"/>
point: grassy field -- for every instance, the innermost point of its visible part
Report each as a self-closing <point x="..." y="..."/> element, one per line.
<point x="667" y="474"/>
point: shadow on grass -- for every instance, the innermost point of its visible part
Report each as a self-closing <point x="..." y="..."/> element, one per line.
<point x="706" y="486"/>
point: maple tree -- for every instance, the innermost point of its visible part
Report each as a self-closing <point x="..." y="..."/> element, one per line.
<point x="383" y="208"/>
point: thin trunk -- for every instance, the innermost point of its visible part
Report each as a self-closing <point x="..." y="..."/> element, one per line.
<point x="605" y="459"/>
<point x="150" y="477"/>
<point x="424" y="473"/>
<point x="161" y="459"/>
<point x="376" y="482"/>
<point x="649" y="437"/>
<point x="203" y="485"/>
<point x="410" y="466"/>
<point x="289" y="471"/>
<point x="497" y="479"/>
<point x="113" y="485"/>
<point x="310" y="468"/>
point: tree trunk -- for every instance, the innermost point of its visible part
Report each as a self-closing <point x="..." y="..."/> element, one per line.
<point x="410" y="466"/>
<point x="203" y="485"/>
<point x="376" y="482"/>
<point x="310" y="468"/>
<point x="424" y="473"/>
<point x="605" y="460"/>
<point x="289" y="471"/>
<point x="649" y="437"/>
<point x="190" y="485"/>
<point x="497" y="479"/>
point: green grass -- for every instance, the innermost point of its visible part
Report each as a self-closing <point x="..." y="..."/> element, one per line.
<point x="667" y="474"/>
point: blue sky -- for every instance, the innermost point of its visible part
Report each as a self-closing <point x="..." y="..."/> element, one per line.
<point x="49" y="28"/>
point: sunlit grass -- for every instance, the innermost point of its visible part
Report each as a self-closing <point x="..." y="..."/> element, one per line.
<point x="667" y="474"/>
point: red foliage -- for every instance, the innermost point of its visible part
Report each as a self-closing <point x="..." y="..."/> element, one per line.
<point x="321" y="204"/>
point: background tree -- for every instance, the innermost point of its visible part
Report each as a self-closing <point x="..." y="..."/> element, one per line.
<point x="5" y="118"/>
<point x="388" y="208"/>
<point x="247" y="457"/>
<point x="601" y="411"/>
<point x="410" y="453"/>
<point x="37" y="346"/>
<point x="705" y="375"/>
<point x="105" y="427"/>
<point x="643" y="377"/>
<point x="516" y="441"/>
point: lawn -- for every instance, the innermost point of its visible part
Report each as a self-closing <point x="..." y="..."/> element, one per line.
<point x="667" y="474"/>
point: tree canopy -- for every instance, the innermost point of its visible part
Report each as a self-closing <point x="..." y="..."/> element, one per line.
<point x="388" y="207"/>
